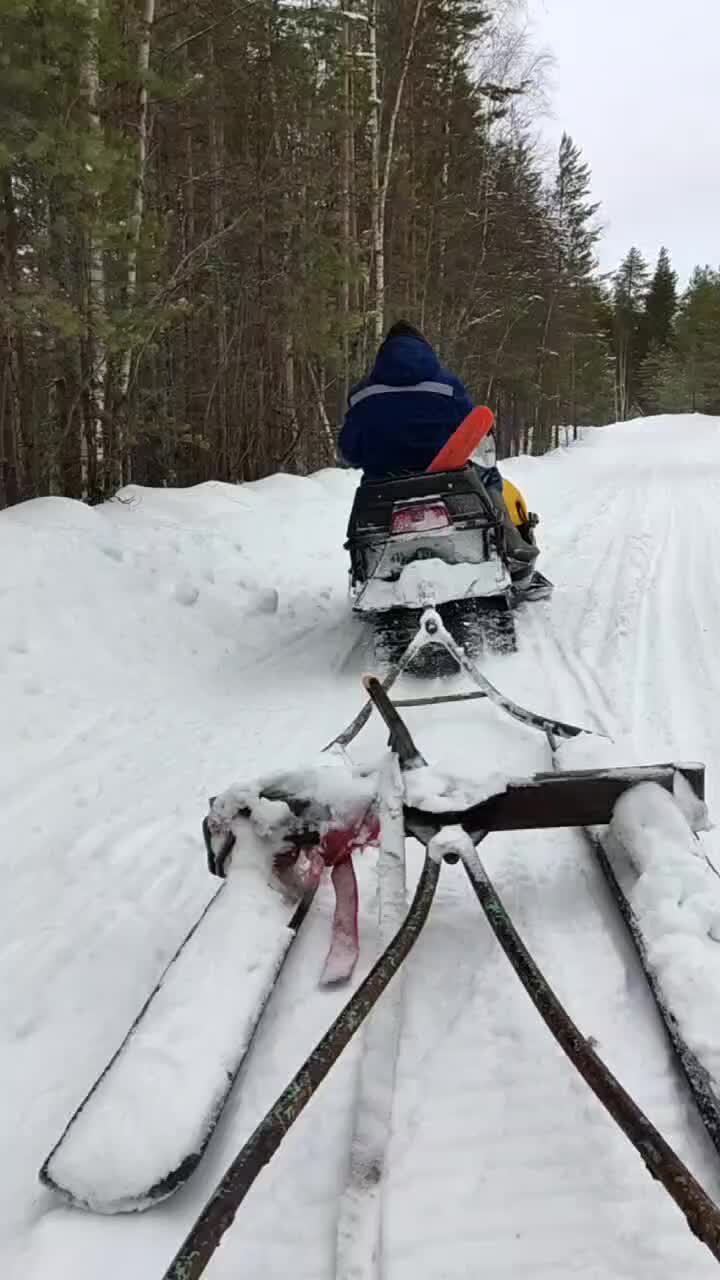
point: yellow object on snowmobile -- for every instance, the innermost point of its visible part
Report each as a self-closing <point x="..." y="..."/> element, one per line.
<point x="515" y="504"/>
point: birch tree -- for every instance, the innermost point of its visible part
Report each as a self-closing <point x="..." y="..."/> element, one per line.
<point x="381" y="176"/>
<point x="135" y="223"/>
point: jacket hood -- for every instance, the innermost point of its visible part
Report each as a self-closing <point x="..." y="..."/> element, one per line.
<point x="403" y="361"/>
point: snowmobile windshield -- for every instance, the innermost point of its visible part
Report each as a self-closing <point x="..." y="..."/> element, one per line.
<point x="486" y="453"/>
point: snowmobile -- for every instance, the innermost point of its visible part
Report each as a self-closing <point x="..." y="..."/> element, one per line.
<point x="436" y="539"/>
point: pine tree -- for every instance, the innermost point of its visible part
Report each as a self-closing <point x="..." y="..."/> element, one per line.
<point x="699" y="340"/>
<point x="570" y="329"/>
<point x="656" y="333"/>
<point x="684" y="376"/>
<point x="574" y="212"/>
<point x="630" y="288"/>
<point x="661" y="304"/>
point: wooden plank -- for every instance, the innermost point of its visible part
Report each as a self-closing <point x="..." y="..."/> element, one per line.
<point x="583" y="798"/>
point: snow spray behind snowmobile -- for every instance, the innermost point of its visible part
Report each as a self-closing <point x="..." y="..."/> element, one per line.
<point x="438" y="539"/>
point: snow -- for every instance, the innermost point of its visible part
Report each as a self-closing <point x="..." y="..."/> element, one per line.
<point x="156" y="649"/>
<point x="344" y="792"/>
<point x="433" y="581"/>
<point x="430" y="789"/>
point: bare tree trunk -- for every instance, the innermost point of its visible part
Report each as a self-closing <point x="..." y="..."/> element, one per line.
<point x="345" y="204"/>
<point x="377" y="230"/>
<point x="538" y="440"/>
<point x="216" y="137"/>
<point x="290" y="391"/>
<point x="622" y="379"/>
<point x="573" y="387"/>
<point x="92" y="446"/>
<point x="328" y="433"/>
<point x="188" y="244"/>
<point x="379" y="220"/>
<point x="11" y="398"/>
<point x="121" y="461"/>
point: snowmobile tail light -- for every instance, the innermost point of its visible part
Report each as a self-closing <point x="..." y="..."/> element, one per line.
<point x="421" y="517"/>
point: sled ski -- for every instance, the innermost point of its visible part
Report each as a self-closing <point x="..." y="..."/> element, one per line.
<point x="702" y="1084"/>
<point x="144" y="1126"/>
<point x="176" y="1067"/>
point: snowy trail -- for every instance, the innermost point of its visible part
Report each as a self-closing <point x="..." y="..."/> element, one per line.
<point x="131" y="699"/>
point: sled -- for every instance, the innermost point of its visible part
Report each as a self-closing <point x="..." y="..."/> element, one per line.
<point x="309" y="817"/>
<point x="585" y="798"/>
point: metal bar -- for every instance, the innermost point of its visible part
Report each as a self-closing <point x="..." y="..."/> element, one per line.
<point x="439" y="699"/>
<point x="436" y="632"/>
<point x="585" y="798"/>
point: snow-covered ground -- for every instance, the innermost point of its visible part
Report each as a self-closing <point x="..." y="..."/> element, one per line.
<point x="158" y="649"/>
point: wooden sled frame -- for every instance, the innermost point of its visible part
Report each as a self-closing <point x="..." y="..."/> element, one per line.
<point x="580" y="798"/>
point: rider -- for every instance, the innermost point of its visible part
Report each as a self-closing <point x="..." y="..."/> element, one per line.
<point x="400" y="416"/>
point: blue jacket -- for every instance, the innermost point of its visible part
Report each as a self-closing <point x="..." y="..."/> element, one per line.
<point x="400" y="416"/>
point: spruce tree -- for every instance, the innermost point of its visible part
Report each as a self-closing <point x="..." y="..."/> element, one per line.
<point x="661" y="304"/>
<point x="574" y="211"/>
<point x="630" y="288"/>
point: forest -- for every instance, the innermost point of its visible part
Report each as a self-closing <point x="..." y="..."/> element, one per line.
<point x="210" y="213"/>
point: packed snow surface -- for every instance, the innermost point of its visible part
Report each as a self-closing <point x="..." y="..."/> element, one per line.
<point x="157" y="649"/>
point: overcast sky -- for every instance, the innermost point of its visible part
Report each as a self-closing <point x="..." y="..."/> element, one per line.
<point x="637" y="84"/>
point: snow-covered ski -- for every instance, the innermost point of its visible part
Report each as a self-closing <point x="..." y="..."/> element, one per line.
<point x="677" y="991"/>
<point x="142" y="1129"/>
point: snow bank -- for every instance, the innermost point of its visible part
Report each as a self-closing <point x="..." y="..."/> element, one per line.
<point x="196" y="575"/>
